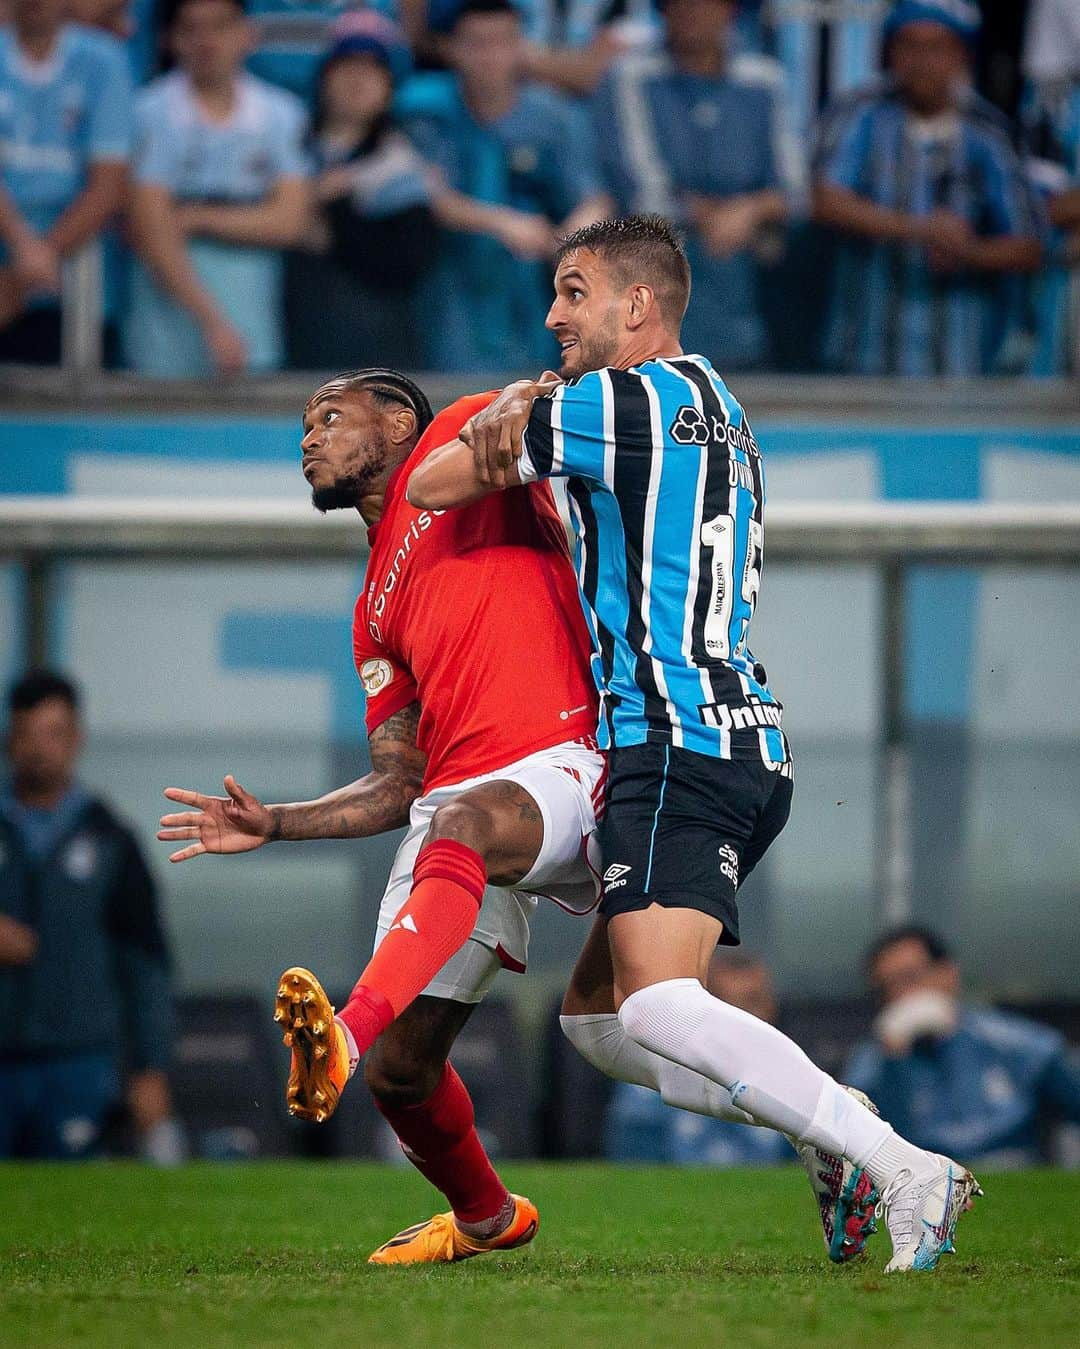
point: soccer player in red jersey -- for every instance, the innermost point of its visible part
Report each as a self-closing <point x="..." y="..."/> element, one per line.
<point x="472" y="649"/>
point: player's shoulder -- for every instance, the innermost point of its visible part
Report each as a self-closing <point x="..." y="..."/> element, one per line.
<point x="445" y="425"/>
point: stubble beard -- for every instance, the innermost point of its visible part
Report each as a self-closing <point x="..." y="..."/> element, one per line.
<point x="347" y="492"/>
<point x="593" y="353"/>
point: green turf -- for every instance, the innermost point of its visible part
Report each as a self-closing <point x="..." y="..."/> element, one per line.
<point x="118" y="1256"/>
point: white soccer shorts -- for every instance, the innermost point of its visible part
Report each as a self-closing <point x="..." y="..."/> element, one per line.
<point x="567" y="784"/>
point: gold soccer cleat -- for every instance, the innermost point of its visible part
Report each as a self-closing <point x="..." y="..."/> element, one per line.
<point x="441" y="1241"/>
<point x="320" y="1059"/>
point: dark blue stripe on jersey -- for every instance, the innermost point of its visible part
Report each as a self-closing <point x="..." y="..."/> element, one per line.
<point x="539" y="437"/>
<point x="581" y="493"/>
<point x="633" y="464"/>
<point x="715" y="501"/>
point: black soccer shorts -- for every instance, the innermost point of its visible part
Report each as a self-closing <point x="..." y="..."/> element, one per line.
<point x="685" y="830"/>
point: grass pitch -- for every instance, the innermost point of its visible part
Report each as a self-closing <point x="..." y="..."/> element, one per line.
<point x="274" y="1255"/>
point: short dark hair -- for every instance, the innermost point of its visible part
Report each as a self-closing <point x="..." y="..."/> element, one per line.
<point x="169" y="10"/>
<point x="387" y="386"/>
<point x="37" y="686"/>
<point x="639" y="248"/>
<point x="471" y="7"/>
<point x="934" y="946"/>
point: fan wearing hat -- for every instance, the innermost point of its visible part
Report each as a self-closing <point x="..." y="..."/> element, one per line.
<point x="919" y="178"/>
<point x="377" y="226"/>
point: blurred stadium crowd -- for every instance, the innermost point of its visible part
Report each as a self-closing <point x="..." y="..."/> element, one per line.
<point x="866" y="187"/>
<point x="97" y="1056"/>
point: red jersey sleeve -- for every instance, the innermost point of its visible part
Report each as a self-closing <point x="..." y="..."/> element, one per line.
<point x="388" y="687"/>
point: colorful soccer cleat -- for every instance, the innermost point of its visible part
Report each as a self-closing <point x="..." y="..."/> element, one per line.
<point x="441" y="1241"/>
<point x="921" y="1213"/>
<point x="845" y="1195"/>
<point x="320" y="1058"/>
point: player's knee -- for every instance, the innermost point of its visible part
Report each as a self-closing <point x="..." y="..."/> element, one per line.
<point x="398" y="1077"/>
<point x="465" y="822"/>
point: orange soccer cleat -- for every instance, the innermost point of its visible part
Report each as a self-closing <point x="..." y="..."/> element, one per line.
<point x="441" y="1241"/>
<point x="320" y="1057"/>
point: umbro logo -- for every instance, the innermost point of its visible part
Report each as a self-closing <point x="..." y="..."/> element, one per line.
<point x="406" y="924"/>
<point x="612" y="876"/>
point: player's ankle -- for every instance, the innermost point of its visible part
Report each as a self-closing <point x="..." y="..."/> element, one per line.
<point x="486" y="1229"/>
<point x="894" y="1155"/>
<point x="352" y="1053"/>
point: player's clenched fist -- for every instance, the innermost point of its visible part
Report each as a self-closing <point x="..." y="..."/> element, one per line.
<point x="494" y="434"/>
<point x="234" y="823"/>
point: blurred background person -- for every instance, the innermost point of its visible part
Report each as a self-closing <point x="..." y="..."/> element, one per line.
<point x="920" y="179"/>
<point x="694" y="135"/>
<point x="1051" y="59"/>
<point x="65" y="138"/>
<point x="958" y="1077"/>
<point x="377" y="234"/>
<point x="84" y="970"/>
<point x="640" y="1127"/>
<point x="220" y="190"/>
<point x="513" y="168"/>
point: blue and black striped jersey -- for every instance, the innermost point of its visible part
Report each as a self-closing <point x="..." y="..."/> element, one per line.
<point x="667" y="494"/>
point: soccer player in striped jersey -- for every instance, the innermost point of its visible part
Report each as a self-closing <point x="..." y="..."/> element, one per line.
<point x="667" y="497"/>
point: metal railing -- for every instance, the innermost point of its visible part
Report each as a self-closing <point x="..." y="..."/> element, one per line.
<point x="41" y="532"/>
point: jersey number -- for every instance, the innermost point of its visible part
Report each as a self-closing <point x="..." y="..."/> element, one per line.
<point x="718" y="535"/>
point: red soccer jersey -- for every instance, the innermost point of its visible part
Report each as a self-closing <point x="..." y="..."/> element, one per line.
<point x="475" y="613"/>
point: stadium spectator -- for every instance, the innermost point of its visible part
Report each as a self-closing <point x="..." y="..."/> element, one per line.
<point x="220" y="189"/>
<point x="513" y="168"/>
<point x="84" y="982"/>
<point x="954" y="1077"/>
<point x="65" y="137"/>
<point x="641" y="1128"/>
<point x="1053" y="127"/>
<point x="920" y="179"/>
<point x="378" y="230"/>
<point x="692" y="135"/>
<point x="1052" y="45"/>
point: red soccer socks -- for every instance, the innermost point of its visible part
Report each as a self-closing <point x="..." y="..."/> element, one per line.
<point x="435" y="922"/>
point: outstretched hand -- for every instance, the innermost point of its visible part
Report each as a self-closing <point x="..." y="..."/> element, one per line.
<point x="494" y="435"/>
<point x="221" y="824"/>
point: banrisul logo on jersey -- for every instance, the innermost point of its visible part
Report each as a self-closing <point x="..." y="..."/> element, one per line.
<point x="692" y="427"/>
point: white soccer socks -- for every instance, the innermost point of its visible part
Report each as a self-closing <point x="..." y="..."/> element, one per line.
<point x="768" y="1075"/>
<point x="600" y="1039"/>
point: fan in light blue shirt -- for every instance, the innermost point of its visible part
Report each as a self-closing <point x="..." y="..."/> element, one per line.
<point x="515" y="165"/>
<point x="220" y="189"/>
<point x="65" y="137"/>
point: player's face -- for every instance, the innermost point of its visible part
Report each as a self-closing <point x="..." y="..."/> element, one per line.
<point x="585" y="315"/>
<point x="43" y="744"/>
<point x="345" y="447"/>
<point x="929" y="61"/>
<point x="211" y="39"/>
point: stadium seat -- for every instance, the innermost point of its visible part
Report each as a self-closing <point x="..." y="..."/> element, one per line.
<point x="227" y="1080"/>
<point x="574" y="1097"/>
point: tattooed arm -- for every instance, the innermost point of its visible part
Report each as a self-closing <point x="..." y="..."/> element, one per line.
<point x="371" y="805"/>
